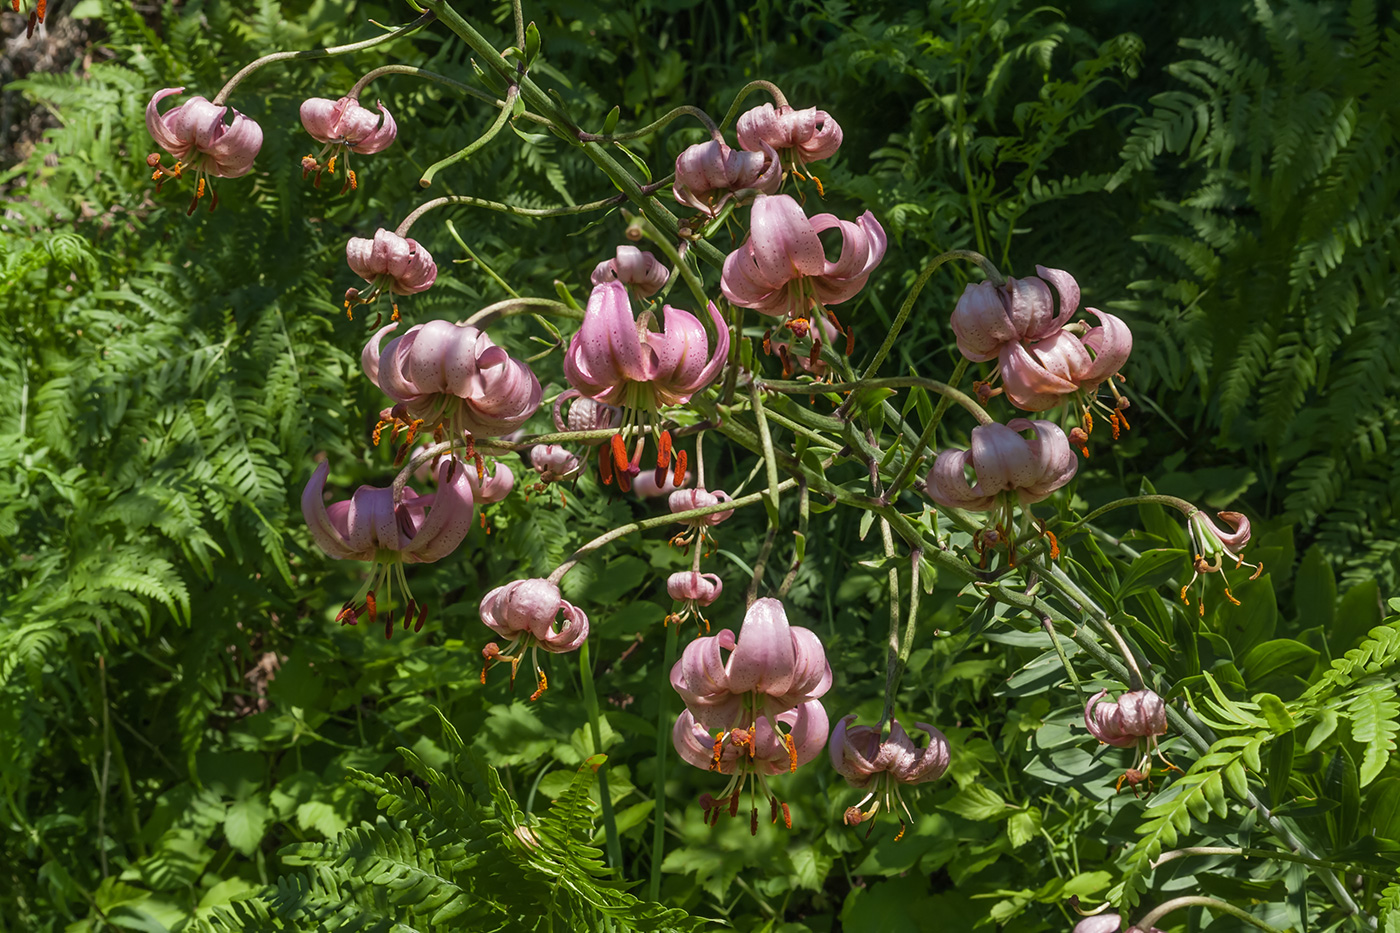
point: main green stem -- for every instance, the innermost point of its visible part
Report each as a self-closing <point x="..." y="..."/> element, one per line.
<point x="590" y="699"/>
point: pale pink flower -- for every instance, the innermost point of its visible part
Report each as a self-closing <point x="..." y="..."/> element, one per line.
<point x="369" y="526"/>
<point x="785" y="343"/>
<point x="633" y="267"/>
<point x="343" y="126"/>
<point x="645" y="486"/>
<point x="988" y="317"/>
<point x="697" y="530"/>
<point x="862" y="757"/>
<point x="710" y="175"/>
<point x="390" y="263"/>
<point x="1212" y="547"/>
<point x="1100" y="923"/>
<point x="528" y="612"/>
<point x="771" y="667"/>
<point x="1039" y="375"/>
<point x="555" y="464"/>
<point x="1134" y="721"/>
<point x="452" y="375"/>
<point x="195" y="134"/>
<point x="782" y="270"/>
<point x="693" y="590"/>
<point x="1003" y="462"/>
<point x="756" y="752"/>
<point x="800" y="136"/>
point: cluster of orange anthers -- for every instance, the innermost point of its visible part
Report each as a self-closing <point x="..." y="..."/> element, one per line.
<point x="615" y="464"/>
<point x="714" y="806"/>
<point x="161" y="173"/>
<point x="36" y="15"/>
<point x="1117" y="419"/>
<point x="352" y="298"/>
<point x="492" y="654"/>
<point x="350" y="615"/>
<point x="309" y="164"/>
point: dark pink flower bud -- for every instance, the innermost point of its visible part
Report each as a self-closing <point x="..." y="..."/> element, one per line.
<point x="1040" y="375"/>
<point x="710" y="174"/>
<point x="686" y="499"/>
<point x="494" y="486"/>
<point x="801" y="136"/>
<point x="528" y="613"/>
<point x="988" y="316"/>
<point x="633" y="267"/>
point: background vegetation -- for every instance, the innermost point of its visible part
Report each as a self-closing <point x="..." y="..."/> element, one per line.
<point x="187" y="740"/>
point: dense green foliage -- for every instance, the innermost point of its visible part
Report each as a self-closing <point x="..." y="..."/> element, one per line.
<point x="188" y="741"/>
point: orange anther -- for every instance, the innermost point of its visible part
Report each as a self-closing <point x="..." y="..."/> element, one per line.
<point x="353" y="182"/>
<point x="792" y="753"/>
<point x="821" y="192"/>
<point x="1088" y="421"/>
<point x="719" y="747"/>
<point x="43" y="5"/>
<point x="663" y="451"/>
<point x="370" y="606"/>
<point x="787" y="817"/>
<point x="1257" y="570"/>
<point x="199" y="189"/>
<point x="1231" y="596"/>
<point x="544" y="685"/>
<point x="679" y="477"/>
<point x="330" y="166"/>
<point x="1184" y="599"/>
<point x="619" y="452"/>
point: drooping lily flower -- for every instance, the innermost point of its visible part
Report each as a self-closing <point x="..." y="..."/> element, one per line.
<point x="781" y="270"/>
<point x="1039" y="375"/>
<point x="195" y="134"/>
<point x="390" y="263"/>
<point x="1134" y="721"/>
<point x="709" y="175"/>
<point x="988" y="317"/>
<point x="692" y="590"/>
<point x="451" y="378"/>
<point x="633" y="267"/>
<point x="1212" y="547"/>
<point x="799" y="136"/>
<point x="771" y="668"/>
<point x="343" y="126"/>
<point x="1003" y="462"/>
<point x="697" y="530"/>
<point x="860" y="756"/>
<point x="1100" y="923"/>
<point x="369" y="526"/>
<point x="528" y="613"/>
<point x="617" y="359"/>
<point x="756" y="753"/>
<point x="555" y="464"/>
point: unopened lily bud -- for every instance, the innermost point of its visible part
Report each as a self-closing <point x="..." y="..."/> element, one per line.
<point x="710" y="174"/>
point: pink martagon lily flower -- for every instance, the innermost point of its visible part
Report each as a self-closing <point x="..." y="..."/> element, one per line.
<point x="1039" y="375"/>
<point x="693" y="590"/>
<point x="195" y="134"/>
<point x="1136" y="715"/>
<point x="988" y="317"/>
<point x="493" y="486"/>
<point x="686" y="499"/>
<point x="782" y="269"/>
<point x="807" y="724"/>
<point x="346" y="123"/>
<point x="617" y="359"/>
<point x="369" y="526"/>
<point x="1004" y="462"/>
<point x="388" y="262"/>
<point x="645" y="486"/>
<point x="710" y="174"/>
<point x="859" y="755"/>
<point x="802" y="136"/>
<point x="633" y="267"/>
<point x="528" y="612"/>
<point x="555" y="464"/>
<point x="455" y="376"/>
<point x="772" y="667"/>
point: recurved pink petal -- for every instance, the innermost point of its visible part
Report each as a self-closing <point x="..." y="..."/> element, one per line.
<point x="1001" y="459"/>
<point x="317" y="116"/>
<point x="158" y="127"/>
<point x="313" y="509"/>
<point x="1068" y="290"/>
<point x="782" y="241"/>
<point x="1111" y="342"/>
<point x="947" y="483"/>
<point x="692" y="742"/>
<point x="932" y="761"/>
<point x="450" y="518"/>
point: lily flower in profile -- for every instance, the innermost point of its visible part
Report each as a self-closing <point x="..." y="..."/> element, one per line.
<point x="709" y="175"/>
<point x="528" y="613"/>
<point x="860" y="756"/>
<point x="1212" y="546"/>
<point x="1008" y="468"/>
<point x="197" y="136"/>
<point x="617" y="359"/>
<point x="799" y="136"/>
<point x="988" y="317"/>
<point x="342" y="127"/>
<point x="554" y="463"/>
<point x="390" y="263"/>
<point x="370" y="526"/>
<point x="770" y="746"/>
<point x="633" y="267"/>
<point x="697" y="530"/>
<point x="781" y="270"/>
<point x="452" y="379"/>
<point x="692" y="590"/>
<point x="1133" y="721"/>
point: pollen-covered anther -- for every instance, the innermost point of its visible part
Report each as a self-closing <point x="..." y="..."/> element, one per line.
<point x="663" y="451"/>
<point x="619" y="454"/>
<point x="681" y="464"/>
<point x="853" y="816"/>
<point x="792" y="753"/>
<point x="371" y="608"/>
<point x="1080" y="438"/>
<point x="719" y="749"/>
<point x="543" y="686"/>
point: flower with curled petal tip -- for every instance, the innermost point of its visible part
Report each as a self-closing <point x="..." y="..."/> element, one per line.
<point x="584" y="414"/>
<point x="1211" y="547"/>
<point x="195" y="134"/>
<point x="388" y="262"/>
<point x="693" y="590"/>
<point x="1039" y="375"/>
<point x="710" y="175"/>
<point x="1134" y="721"/>
<point x="781" y="270"/>
<point x="988" y="317"/>
<point x="555" y="464"/>
<point x="617" y="359"/>
<point x="452" y="377"/>
<point x="633" y="267"/>
<point x="799" y="136"/>
<point x="528" y="613"/>
<point x="771" y="667"/>
<point x="756" y="753"/>
<point x="370" y="526"/>
<point x="1003" y="462"/>
<point x="343" y="126"/>
<point x="858" y="754"/>
<point x="697" y="530"/>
